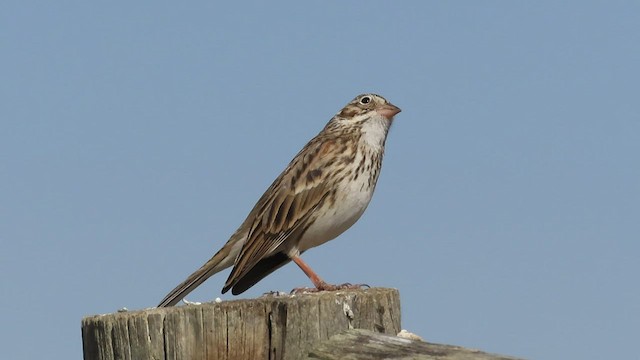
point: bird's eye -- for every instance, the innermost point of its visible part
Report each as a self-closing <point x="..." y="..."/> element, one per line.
<point x="365" y="100"/>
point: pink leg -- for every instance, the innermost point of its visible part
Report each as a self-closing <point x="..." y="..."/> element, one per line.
<point x="320" y="284"/>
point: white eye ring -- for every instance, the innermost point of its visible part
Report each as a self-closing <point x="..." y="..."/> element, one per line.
<point x="365" y="100"/>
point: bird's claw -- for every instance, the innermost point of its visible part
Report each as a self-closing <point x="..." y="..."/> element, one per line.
<point x="329" y="287"/>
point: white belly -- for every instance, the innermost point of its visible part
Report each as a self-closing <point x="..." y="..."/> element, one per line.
<point x="351" y="202"/>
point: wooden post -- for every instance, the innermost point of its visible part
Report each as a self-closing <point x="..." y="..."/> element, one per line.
<point x="270" y="327"/>
<point x="363" y="344"/>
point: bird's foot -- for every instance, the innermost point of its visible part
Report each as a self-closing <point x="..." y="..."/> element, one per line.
<point x="323" y="286"/>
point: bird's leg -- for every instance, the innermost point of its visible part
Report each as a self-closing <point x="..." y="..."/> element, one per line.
<point x="315" y="279"/>
<point x="320" y="284"/>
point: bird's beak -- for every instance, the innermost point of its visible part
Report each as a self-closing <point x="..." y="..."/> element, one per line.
<point x="388" y="110"/>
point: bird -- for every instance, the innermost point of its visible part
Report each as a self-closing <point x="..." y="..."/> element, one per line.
<point x="321" y="193"/>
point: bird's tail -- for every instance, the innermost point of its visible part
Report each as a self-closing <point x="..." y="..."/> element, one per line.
<point x="220" y="261"/>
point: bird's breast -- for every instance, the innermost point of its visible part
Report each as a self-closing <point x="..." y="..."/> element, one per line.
<point x="344" y="207"/>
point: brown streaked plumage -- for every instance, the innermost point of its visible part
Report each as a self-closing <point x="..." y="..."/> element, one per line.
<point x="322" y="192"/>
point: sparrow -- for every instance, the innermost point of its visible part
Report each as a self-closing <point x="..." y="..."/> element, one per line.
<point x="323" y="191"/>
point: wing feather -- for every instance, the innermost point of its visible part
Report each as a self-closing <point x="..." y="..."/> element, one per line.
<point x="286" y="206"/>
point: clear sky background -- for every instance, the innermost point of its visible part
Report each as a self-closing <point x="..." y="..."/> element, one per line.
<point x="135" y="138"/>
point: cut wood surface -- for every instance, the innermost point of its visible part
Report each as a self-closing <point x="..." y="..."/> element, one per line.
<point x="367" y="345"/>
<point x="270" y="327"/>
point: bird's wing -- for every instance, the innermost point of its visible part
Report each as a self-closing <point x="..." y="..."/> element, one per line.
<point x="286" y="209"/>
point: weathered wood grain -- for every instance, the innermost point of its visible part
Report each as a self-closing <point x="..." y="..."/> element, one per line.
<point x="271" y="327"/>
<point x="366" y="345"/>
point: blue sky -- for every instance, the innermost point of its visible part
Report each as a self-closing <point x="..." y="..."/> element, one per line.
<point x="135" y="138"/>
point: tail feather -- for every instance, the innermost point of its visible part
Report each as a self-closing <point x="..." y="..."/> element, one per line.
<point x="258" y="272"/>
<point x="220" y="261"/>
<point x="182" y="290"/>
